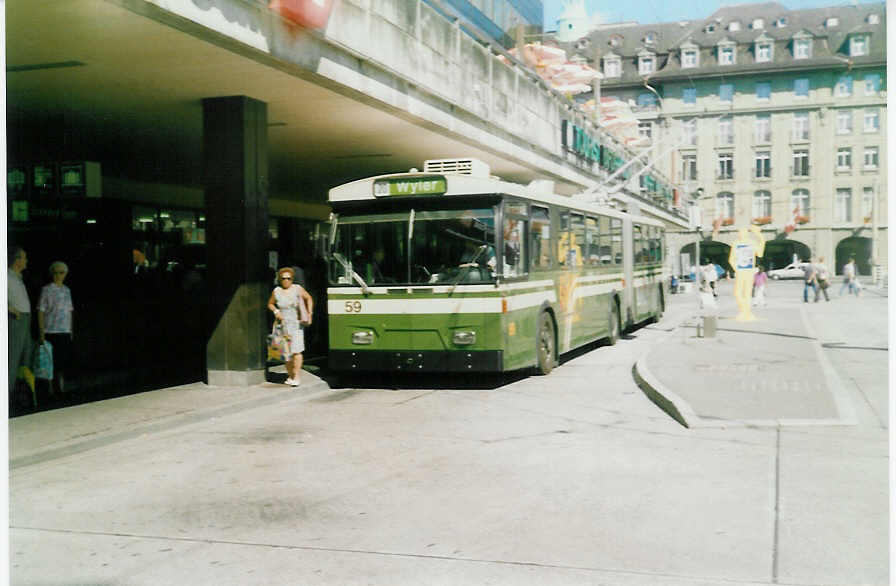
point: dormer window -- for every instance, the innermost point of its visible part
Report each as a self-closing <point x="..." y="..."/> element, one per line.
<point x="873" y="19"/>
<point x="734" y="25"/>
<point x="858" y="45"/>
<point x="802" y="48"/>
<point x="764" y="51"/>
<point x="758" y="24"/>
<point x="690" y="55"/>
<point x="646" y="63"/>
<point x="710" y="28"/>
<point x="831" y="22"/>
<point x="726" y="55"/>
<point x="781" y="22"/>
<point x="612" y="66"/>
<point x="650" y="38"/>
<point x="615" y="41"/>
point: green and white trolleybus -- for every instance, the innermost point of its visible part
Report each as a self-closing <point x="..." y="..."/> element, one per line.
<point x="452" y="270"/>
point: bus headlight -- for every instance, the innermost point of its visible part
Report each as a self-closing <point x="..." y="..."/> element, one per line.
<point x="464" y="338"/>
<point x="365" y="338"/>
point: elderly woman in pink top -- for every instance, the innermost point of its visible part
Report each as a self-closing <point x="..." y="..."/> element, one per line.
<point x="54" y="321"/>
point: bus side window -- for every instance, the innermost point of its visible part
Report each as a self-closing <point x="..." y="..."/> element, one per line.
<point x="592" y="243"/>
<point x="540" y="238"/>
<point x="563" y="240"/>
<point x="639" y="239"/>
<point x="616" y="240"/>
<point x="514" y="253"/>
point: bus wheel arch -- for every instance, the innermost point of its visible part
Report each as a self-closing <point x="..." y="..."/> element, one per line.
<point x="545" y="341"/>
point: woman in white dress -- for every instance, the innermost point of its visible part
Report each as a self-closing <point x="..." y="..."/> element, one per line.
<point x="293" y="307"/>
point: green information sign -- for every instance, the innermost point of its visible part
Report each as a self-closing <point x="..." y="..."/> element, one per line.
<point x="410" y="186"/>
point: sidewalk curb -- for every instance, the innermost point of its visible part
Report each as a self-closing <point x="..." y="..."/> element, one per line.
<point x="681" y="411"/>
<point x="280" y="394"/>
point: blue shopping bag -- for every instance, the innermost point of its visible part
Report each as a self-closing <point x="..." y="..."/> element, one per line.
<point x="44" y="364"/>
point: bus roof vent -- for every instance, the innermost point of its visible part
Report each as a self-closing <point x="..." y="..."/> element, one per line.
<point x="473" y="167"/>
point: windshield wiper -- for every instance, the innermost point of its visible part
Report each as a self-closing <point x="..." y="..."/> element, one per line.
<point x="467" y="266"/>
<point x="348" y="269"/>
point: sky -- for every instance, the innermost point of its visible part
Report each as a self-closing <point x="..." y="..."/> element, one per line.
<point x="645" y="11"/>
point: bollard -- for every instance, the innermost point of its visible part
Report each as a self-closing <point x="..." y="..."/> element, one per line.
<point x="709" y="326"/>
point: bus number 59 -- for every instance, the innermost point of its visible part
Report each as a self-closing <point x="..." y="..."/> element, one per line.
<point x="352" y="307"/>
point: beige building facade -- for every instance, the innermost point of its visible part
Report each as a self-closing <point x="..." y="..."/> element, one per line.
<point x="766" y="116"/>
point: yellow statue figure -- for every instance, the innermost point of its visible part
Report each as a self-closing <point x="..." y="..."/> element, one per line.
<point x="749" y="245"/>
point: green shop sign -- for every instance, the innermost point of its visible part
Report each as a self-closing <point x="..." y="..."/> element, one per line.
<point x="575" y="139"/>
<point x="410" y="186"/>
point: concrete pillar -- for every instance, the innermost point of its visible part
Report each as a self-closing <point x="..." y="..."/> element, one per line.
<point x="235" y="180"/>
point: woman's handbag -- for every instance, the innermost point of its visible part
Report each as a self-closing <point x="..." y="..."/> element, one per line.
<point x="44" y="363"/>
<point x="278" y="343"/>
<point x="304" y="315"/>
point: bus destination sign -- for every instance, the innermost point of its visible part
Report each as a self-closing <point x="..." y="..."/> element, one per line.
<point x="410" y="186"/>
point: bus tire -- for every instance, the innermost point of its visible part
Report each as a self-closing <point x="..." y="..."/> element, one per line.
<point x="613" y="317"/>
<point x="545" y="345"/>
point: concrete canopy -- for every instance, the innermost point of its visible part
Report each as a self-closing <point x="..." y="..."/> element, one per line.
<point x="121" y="83"/>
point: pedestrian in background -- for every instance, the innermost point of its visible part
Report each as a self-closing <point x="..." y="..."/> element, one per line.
<point x="810" y="280"/>
<point x="54" y="321"/>
<point x="711" y="276"/>
<point x="19" y="309"/>
<point x="823" y="278"/>
<point x="293" y="307"/>
<point x="849" y="277"/>
<point x="759" y="282"/>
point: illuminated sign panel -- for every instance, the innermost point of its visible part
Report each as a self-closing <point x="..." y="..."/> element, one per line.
<point x="410" y="186"/>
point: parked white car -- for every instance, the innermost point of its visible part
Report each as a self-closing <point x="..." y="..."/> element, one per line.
<point x="795" y="270"/>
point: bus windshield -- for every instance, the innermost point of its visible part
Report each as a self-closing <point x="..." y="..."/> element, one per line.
<point x="415" y="247"/>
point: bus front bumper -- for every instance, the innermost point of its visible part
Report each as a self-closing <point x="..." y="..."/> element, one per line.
<point x="417" y="361"/>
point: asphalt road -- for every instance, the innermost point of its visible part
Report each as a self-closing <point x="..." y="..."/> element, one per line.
<point x="573" y="478"/>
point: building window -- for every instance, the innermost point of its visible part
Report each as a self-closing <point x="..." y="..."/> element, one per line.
<point x="734" y="26"/>
<point x="725" y="205"/>
<point x="689" y="95"/>
<point x="844" y="158"/>
<point x="612" y="67"/>
<point x="726" y="166"/>
<point x="762" y="204"/>
<point x="763" y="90"/>
<point x="726" y="131"/>
<point x="801" y="126"/>
<point x="726" y="92"/>
<point x="858" y="45"/>
<point x="843" y="205"/>
<point x="781" y="22"/>
<point x="690" y="132"/>
<point x="726" y="55"/>
<point x="873" y="19"/>
<point x="689" y="167"/>
<point x="872" y="84"/>
<point x="645" y="130"/>
<point x="844" y="121"/>
<point x="689" y="57"/>
<point x="763" y="129"/>
<point x="801" y="163"/>
<point x="650" y="38"/>
<point x="763" y="165"/>
<point x="801" y="87"/>
<point x="871" y="157"/>
<point x="646" y="65"/>
<point x="802" y="48"/>
<point x="799" y="202"/>
<point x="872" y="120"/>
<point x="763" y="52"/>
<point x="831" y="22"/>
<point x="843" y="88"/>
<point x="646" y="100"/>
<point x="758" y="24"/>
<point x="868" y="204"/>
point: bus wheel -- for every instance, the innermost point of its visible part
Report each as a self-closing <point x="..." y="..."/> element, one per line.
<point x="544" y="345"/>
<point x="613" y="335"/>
